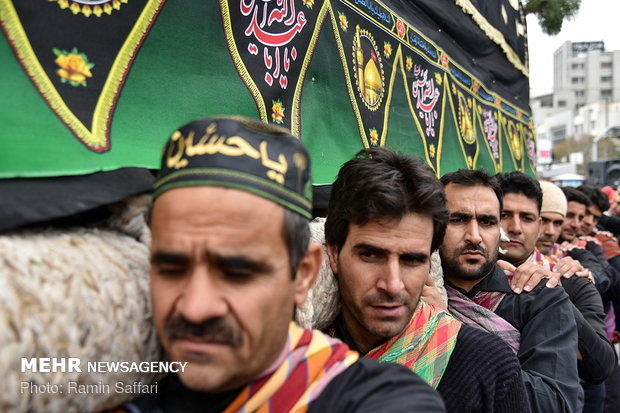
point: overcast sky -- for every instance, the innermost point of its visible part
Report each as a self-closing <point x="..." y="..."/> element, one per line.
<point x="596" y="20"/>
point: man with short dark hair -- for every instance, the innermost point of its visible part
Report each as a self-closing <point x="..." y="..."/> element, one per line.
<point x="588" y="253"/>
<point x="539" y="325"/>
<point x="231" y="259"/>
<point x="523" y="199"/>
<point x="386" y="215"/>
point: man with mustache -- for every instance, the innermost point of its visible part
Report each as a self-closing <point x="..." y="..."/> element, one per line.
<point x="523" y="201"/>
<point x="386" y="215"/>
<point x="231" y="259"/>
<point x="539" y="324"/>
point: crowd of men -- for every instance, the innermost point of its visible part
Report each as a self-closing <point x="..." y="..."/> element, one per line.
<point x="531" y="270"/>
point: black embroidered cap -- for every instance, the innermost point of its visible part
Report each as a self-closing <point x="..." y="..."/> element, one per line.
<point x="241" y="153"/>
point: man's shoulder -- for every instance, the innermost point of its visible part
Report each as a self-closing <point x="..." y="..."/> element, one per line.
<point x="368" y="386"/>
<point x="359" y="373"/>
<point x="471" y="339"/>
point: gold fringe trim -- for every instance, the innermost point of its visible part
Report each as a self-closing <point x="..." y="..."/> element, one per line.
<point x="241" y="69"/>
<point x="347" y="78"/>
<point x="296" y="111"/>
<point x="459" y="133"/>
<point x="119" y="68"/>
<point x="495" y="35"/>
<point x="96" y="139"/>
<point x="249" y="82"/>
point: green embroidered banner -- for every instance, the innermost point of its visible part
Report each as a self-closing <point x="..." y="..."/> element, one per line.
<point x="96" y="85"/>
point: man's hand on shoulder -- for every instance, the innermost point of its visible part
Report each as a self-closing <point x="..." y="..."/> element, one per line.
<point x="568" y="267"/>
<point x="528" y="275"/>
<point x="431" y="294"/>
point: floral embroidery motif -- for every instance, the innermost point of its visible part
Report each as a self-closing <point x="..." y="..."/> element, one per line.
<point x="344" y="23"/>
<point x="74" y="67"/>
<point x="431" y="150"/>
<point x="387" y="49"/>
<point x="409" y="63"/>
<point x="374" y="136"/>
<point x="308" y="3"/>
<point x="438" y="78"/>
<point x="277" y="110"/>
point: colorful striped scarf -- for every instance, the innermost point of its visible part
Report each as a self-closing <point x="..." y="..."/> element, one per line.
<point x="557" y="251"/>
<point x="479" y="312"/>
<point x="609" y="244"/>
<point x="539" y="258"/>
<point x="424" y="346"/>
<point x="313" y="359"/>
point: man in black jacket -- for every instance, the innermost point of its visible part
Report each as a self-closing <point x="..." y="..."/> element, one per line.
<point x="540" y="322"/>
<point x="523" y="203"/>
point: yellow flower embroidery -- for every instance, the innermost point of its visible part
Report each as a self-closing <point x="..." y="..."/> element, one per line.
<point x="408" y="63"/>
<point x="387" y="49"/>
<point x="344" y="23"/>
<point x="277" y="110"/>
<point x="431" y="150"/>
<point x="438" y="78"/>
<point x="74" y="67"/>
<point x="308" y="3"/>
<point x="374" y="136"/>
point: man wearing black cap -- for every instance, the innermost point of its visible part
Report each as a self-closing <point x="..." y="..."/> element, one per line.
<point x="231" y="259"/>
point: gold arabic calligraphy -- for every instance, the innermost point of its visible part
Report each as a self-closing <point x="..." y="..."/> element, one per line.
<point x="211" y="143"/>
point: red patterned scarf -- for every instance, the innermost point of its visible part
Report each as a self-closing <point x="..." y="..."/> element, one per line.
<point x="609" y="244"/>
<point x="313" y="359"/>
<point x="424" y="346"/>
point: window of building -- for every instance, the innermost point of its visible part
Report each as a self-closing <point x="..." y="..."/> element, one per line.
<point x="558" y="134"/>
<point x="579" y="93"/>
<point x="561" y="103"/>
<point x="605" y="79"/>
<point x="605" y="65"/>
<point x="606" y="93"/>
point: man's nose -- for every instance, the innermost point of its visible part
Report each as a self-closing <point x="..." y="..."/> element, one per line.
<point x="512" y="224"/>
<point x="391" y="280"/>
<point x="472" y="234"/>
<point x="201" y="298"/>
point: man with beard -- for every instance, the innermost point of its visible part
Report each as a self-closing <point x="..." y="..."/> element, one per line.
<point x="231" y="259"/>
<point x="522" y="202"/>
<point x="539" y="324"/>
<point x="386" y="215"/>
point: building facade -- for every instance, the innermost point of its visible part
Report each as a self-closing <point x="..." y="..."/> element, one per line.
<point x="586" y="94"/>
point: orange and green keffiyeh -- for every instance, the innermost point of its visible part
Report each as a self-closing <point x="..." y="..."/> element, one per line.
<point x="313" y="359"/>
<point x="424" y="346"/>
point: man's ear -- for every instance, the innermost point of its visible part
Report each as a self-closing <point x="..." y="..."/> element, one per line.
<point x="307" y="272"/>
<point x="332" y="253"/>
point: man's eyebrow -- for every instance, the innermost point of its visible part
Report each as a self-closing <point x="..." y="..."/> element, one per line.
<point x="463" y="215"/>
<point x="370" y="248"/>
<point x="161" y="257"/>
<point x="240" y="262"/>
<point x="414" y="256"/>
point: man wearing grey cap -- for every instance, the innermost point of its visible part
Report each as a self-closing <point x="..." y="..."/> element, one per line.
<point x="231" y="259"/>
